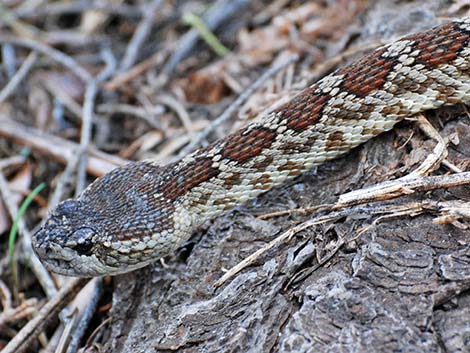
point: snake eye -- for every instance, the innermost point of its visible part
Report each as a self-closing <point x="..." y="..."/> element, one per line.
<point x="81" y="241"/>
<point x="84" y="249"/>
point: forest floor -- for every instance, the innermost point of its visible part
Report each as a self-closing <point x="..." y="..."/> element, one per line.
<point x="86" y="86"/>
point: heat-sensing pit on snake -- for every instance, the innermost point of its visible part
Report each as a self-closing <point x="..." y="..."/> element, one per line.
<point x="141" y="212"/>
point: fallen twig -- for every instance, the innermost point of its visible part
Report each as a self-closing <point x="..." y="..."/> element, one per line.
<point x="55" y="54"/>
<point x="33" y="328"/>
<point x="19" y="76"/>
<point x="62" y="150"/>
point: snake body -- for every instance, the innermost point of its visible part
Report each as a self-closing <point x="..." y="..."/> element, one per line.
<point x="141" y="212"/>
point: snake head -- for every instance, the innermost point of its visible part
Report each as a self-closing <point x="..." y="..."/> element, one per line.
<point x="121" y="222"/>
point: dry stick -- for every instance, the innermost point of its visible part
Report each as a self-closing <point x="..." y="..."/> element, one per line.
<point x="404" y="184"/>
<point x="99" y="163"/>
<point x="86" y="317"/>
<point x="452" y="213"/>
<point x="63" y="180"/>
<point x="69" y="323"/>
<point x="136" y="71"/>
<point x="85" y="135"/>
<point x="33" y="328"/>
<point x="138" y="112"/>
<point x="56" y="55"/>
<point x="19" y="76"/>
<point x="412" y="185"/>
<point x="287" y="235"/>
<point x="5" y="296"/>
<point x="12" y="161"/>
<point x="27" y="308"/>
<point x="436" y="182"/>
<point x="220" y="12"/>
<point x="43" y="276"/>
<point x="431" y="132"/>
<point x="301" y="211"/>
<point x="60" y="8"/>
<point x="141" y="33"/>
<point x="88" y="107"/>
<point x="236" y="103"/>
<point x="181" y="112"/>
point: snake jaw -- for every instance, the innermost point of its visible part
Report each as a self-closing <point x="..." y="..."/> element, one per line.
<point x="65" y="251"/>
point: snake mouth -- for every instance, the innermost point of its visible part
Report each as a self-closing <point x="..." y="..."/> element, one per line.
<point x="64" y="260"/>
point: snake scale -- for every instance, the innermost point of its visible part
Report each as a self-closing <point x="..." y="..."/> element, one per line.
<point x="141" y="212"/>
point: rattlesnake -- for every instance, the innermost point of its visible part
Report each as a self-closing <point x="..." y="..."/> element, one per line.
<point x="141" y="212"/>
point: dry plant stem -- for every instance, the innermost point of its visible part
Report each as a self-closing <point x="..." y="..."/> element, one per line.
<point x="88" y="108"/>
<point x="85" y="135"/>
<point x="407" y="183"/>
<point x="54" y="54"/>
<point x="220" y="12"/>
<point x="19" y="27"/>
<point x="64" y="98"/>
<point x="237" y="103"/>
<point x="36" y="266"/>
<point x="276" y="242"/>
<point x="402" y="186"/>
<point x="287" y="235"/>
<point x="320" y="262"/>
<point x="67" y="7"/>
<point x="5" y="296"/>
<point x="136" y="71"/>
<point x="51" y="343"/>
<point x="421" y="183"/>
<point x="12" y="315"/>
<point x="32" y="329"/>
<point x="136" y="111"/>
<point x="86" y="317"/>
<point x="97" y="330"/>
<point x="439" y="153"/>
<point x="431" y="132"/>
<point x="452" y="213"/>
<point x="141" y="33"/>
<point x="69" y="324"/>
<point x="12" y="161"/>
<point x="63" y="180"/>
<point x="180" y="110"/>
<point x="301" y="211"/>
<point x="19" y="76"/>
<point x="62" y="150"/>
